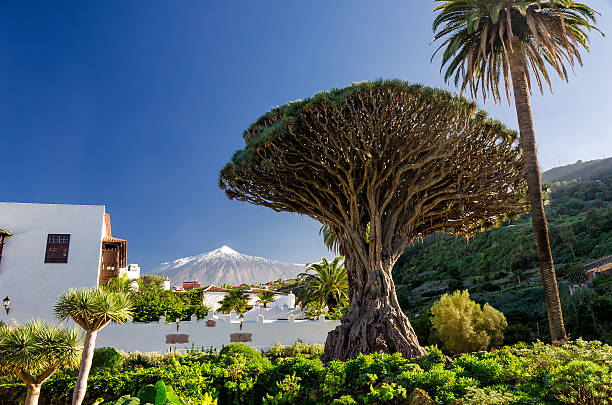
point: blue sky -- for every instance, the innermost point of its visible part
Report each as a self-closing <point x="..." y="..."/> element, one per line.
<point x="138" y="104"/>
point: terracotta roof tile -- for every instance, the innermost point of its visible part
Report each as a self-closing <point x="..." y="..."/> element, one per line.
<point x="111" y="239"/>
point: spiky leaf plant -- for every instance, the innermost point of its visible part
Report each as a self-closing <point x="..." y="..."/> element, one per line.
<point x="34" y="351"/>
<point x="92" y="309"/>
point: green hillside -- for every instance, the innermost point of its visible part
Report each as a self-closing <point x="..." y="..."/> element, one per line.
<point x="579" y="171"/>
<point x="500" y="266"/>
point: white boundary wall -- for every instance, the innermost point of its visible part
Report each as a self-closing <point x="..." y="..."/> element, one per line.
<point x="151" y="337"/>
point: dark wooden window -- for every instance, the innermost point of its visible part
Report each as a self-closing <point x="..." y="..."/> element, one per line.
<point x="57" y="248"/>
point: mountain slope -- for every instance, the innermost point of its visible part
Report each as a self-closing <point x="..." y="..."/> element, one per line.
<point x="579" y="171"/>
<point x="499" y="266"/>
<point x="225" y="265"/>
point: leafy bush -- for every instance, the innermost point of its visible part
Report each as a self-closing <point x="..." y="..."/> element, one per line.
<point x="250" y="354"/>
<point x="463" y="326"/>
<point x="151" y="302"/>
<point x="581" y="382"/>
<point x="142" y="360"/>
<point x="158" y="394"/>
<point x="479" y="396"/>
<point x="106" y="357"/>
<point x="278" y="350"/>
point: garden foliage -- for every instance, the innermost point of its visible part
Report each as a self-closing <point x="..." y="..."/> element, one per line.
<point x="151" y="302"/>
<point x="576" y="373"/>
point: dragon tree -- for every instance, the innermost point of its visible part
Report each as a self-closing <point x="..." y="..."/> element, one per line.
<point x="381" y="164"/>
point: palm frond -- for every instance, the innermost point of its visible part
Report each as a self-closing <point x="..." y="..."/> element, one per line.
<point x="477" y="37"/>
<point x="324" y="283"/>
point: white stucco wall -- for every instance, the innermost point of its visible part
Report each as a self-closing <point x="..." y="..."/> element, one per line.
<point x="30" y="283"/>
<point x="151" y="337"/>
<point x="211" y="300"/>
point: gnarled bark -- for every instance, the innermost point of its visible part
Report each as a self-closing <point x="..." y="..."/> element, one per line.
<point x="374" y="322"/>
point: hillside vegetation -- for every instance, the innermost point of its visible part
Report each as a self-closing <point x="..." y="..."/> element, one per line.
<point x="500" y="266"/>
<point x="579" y="171"/>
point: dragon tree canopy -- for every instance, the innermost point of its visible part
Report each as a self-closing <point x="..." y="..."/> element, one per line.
<point x="388" y="145"/>
<point x="381" y="164"/>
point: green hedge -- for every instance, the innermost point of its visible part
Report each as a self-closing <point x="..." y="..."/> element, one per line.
<point x="579" y="372"/>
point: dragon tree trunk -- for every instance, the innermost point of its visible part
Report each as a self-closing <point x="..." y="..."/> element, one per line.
<point x="80" y="388"/>
<point x="374" y="322"/>
<point x="33" y="394"/>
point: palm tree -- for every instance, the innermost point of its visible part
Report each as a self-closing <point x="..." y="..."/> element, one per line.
<point x="576" y="274"/>
<point x="328" y="285"/>
<point x="265" y="297"/>
<point x="92" y="309"/>
<point x="487" y="40"/>
<point x="34" y="351"/>
<point x="330" y="240"/>
<point x="236" y="299"/>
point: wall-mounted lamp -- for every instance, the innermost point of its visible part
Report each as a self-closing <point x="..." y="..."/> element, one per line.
<point x="5" y="303"/>
<point x="241" y="319"/>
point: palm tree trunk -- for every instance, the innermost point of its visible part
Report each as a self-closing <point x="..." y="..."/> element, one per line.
<point x="534" y="185"/>
<point x="80" y="388"/>
<point x="33" y="394"/>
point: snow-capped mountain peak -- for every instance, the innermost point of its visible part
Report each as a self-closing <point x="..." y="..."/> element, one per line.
<point x="224" y="250"/>
<point x="225" y="265"/>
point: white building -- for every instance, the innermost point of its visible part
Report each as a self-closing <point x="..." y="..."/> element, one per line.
<point x="131" y="272"/>
<point x="213" y="294"/>
<point x="45" y="249"/>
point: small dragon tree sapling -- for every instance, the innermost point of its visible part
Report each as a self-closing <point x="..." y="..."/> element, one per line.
<point x="92" y="309"/>
<point x="34" y="351"/>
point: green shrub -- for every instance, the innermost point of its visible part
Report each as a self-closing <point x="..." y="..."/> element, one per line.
<point x="142" y="360"/>
<point x="278" y="350"/>
<point x="581" y="382"/>
<point x="434" y="356"/>
<point x="252" y="355"/>
<point x="106" y="357"/>
<point x="463" y="326"/>
<point x="479" y="396"/>
<point x="578" y="372"/>
<point x="344" y="400"/>
<point x="126" y="400"/>
<point x="386" y="393"/>
<point x="288" y="391"/>
<point x="158" y="394"/>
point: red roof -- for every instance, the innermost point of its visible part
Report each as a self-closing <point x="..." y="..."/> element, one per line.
<point x="214" y="288"/>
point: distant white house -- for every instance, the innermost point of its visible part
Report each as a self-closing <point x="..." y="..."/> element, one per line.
<point x="213" y="295"/>
<point x="131" y="272"/>
<point x="45" y="249"/>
